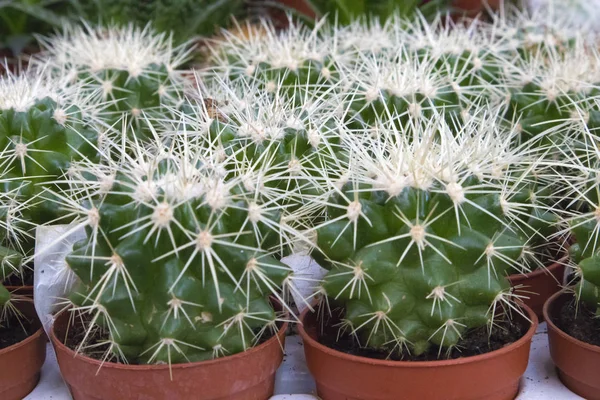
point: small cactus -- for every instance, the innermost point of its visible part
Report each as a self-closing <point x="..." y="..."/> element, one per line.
<point x="130" y="72"/>
<point x="181" y="255"/>
<point x="43" y="127"/>
<point x="420" y="235"/>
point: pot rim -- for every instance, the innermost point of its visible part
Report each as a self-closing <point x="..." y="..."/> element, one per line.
<point x="31" y="338"/>
<point x="560" y="332"/>
<point x="58" y="345"/>
<point x="539" y="271"/>
<point x="422" y="364"/>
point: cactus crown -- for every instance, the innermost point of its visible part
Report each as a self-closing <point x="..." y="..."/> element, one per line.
<point x="132" y="71"/>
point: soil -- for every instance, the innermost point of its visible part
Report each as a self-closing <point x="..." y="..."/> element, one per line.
<point x="578" y="321"/>
<point x="96" y="346"/>
<point x="26" y="280"/>
<point x="15" y="330"/>
<point x="474" y="342"/>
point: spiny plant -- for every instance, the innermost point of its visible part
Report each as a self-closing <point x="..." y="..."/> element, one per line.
<point x="44" y="125"/>
<point x="131" y="72"/>
<point x="180" y="258"/>
<point x="15" y="232"/>
<point x="419" y="234"/>
<point x="531" y="30"/>
<point x="549" y="91"/>
<point x="298" y="55"/>
<point x="581" y="217"/>
<point x="269" y="137"/>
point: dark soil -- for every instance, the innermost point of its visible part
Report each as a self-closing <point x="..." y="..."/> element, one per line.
<point x="15" y="330"/>
<point x="26" y="280"/>
<point x="578" y="321"/>
<point x="474" y="342"/>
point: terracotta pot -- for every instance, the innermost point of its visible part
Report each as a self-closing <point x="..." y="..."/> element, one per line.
<point x="578" y="362"/>
<point x="20" y="364"/>
<point x="244" y="376"/>
<point x="490" y="376"/>
<point x="539" y="285"/>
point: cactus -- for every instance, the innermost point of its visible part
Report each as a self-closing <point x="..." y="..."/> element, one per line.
<point x="15" y="233"/>
<point x="419" y="235"/>
<point x="181" y="255"/>
<point x="43" y="127"/>
<point x="581" y="218"/>
<point x="131" y="73"/>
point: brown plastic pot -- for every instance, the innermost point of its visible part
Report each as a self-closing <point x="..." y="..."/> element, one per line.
<point x="20" y="364"/>
<point x="490" y="376"/>
<point x="539" y="285"/>
<point x="578" y="363"/>
<point x="245" y="376"/>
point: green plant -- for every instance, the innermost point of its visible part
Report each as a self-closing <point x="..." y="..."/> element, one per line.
<point x="21" y="19"/>
<point x="15" y="232"/>
<point x="44" y="126"/>
<point x="419" y="235"/>
<point x="346" y="11"/>
<point x="129" y="73"/>
<point x="582" y="215"/>
<point x="181" y="255"/>
<point x="184" y="19"/>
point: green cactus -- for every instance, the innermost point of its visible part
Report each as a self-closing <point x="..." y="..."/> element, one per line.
<point x="15" y="235"/>
<point x="131" y="73"/>
<point x="180" y="257"/>
<point x="419" y="237"/>
<point x="43" y="127"/>
<point x="582" y="222"/>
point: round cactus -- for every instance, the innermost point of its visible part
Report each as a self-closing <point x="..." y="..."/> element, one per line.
<point x="131" y="72"/>
<point x="181" y="255"/>
<point x="420" y="235"/>
<point x="43" y="127"/>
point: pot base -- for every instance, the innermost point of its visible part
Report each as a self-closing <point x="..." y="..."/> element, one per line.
<point x="508" y="393"/>
<point x="21" y="390"/>
<point x="576" y="386"/>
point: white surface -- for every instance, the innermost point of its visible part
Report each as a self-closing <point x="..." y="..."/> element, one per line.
<point x="51" y="386"/>
<point x="540" y="381"/>
<point x="293" y="381"/>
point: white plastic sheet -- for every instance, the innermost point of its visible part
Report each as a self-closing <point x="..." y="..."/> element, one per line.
<point x="53" y="279"/>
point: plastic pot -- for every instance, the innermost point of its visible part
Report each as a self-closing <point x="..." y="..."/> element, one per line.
<point x="244" y="376"/>
<point x="578" y="363"/>
<point x="20" y="364"/>
<point x="539" y="285"/>
<point x="490" y="376"/>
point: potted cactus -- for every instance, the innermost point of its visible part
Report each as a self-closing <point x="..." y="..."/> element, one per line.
<point x="180" y="291"/>
<point x="44" y="124"/>
<point x="418" y="236"/>
<point x="572" y="314"/>
<point x="22" y="340"/>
